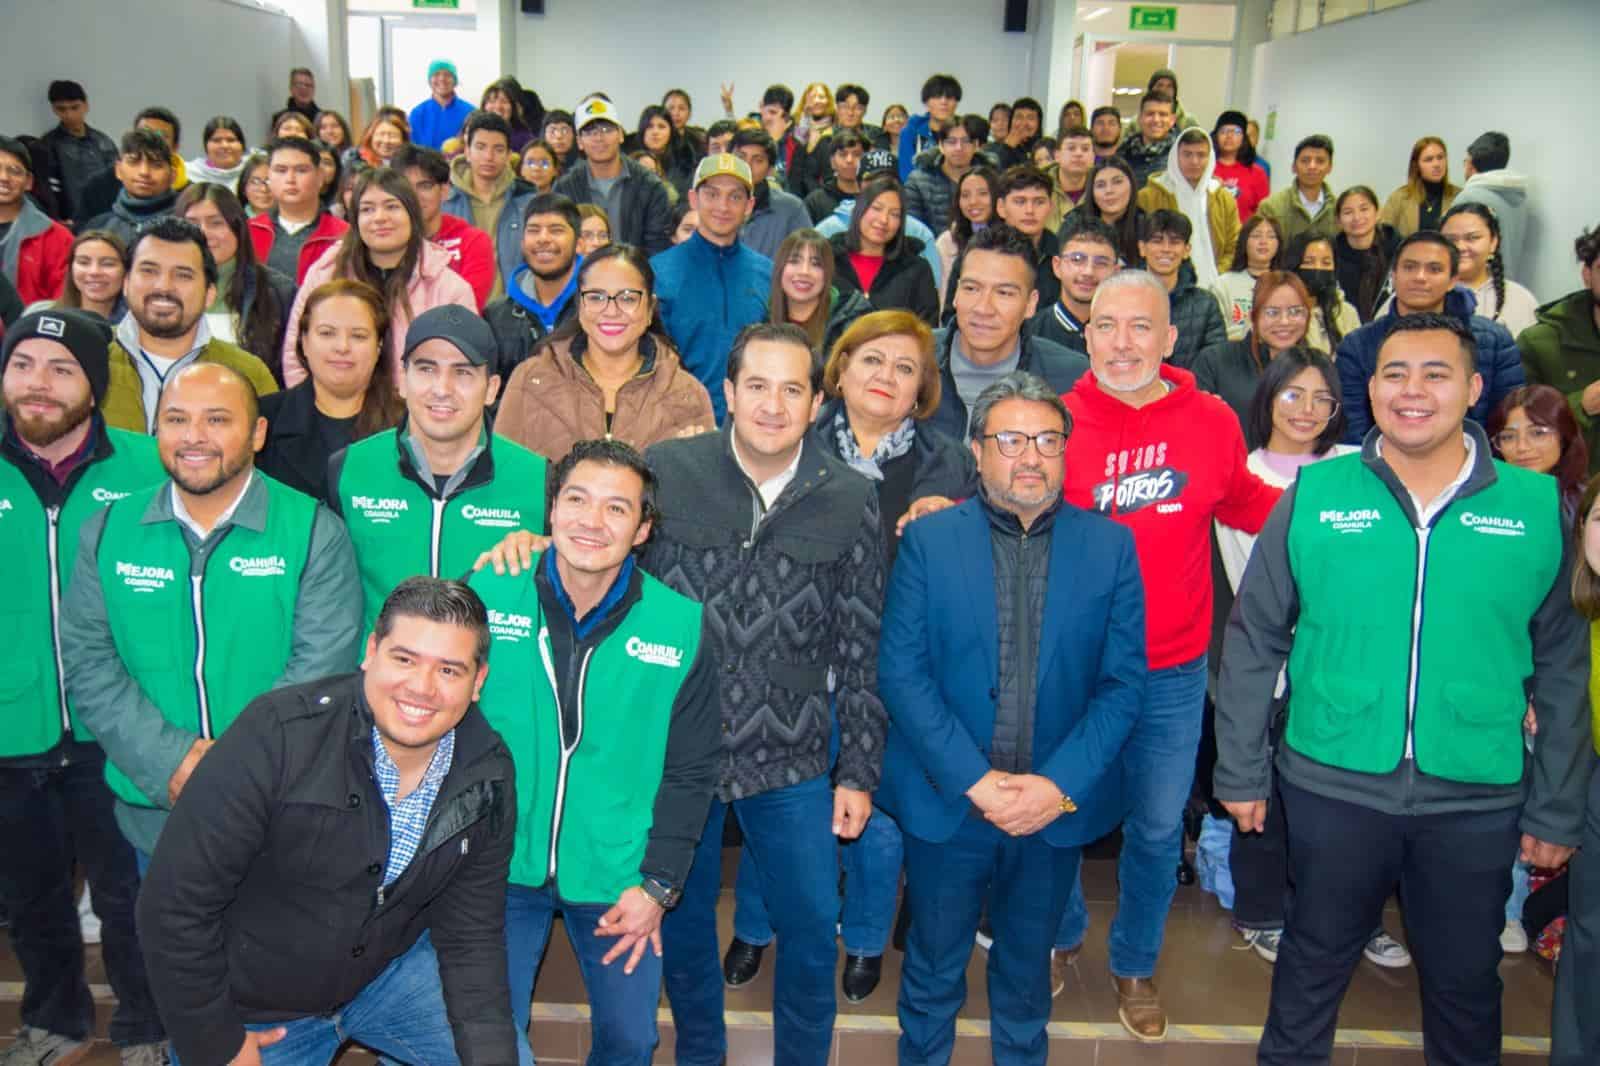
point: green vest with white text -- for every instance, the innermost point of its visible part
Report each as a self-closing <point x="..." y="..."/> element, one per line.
<point x="202" y="640"/>
<point x="1428" y="626"/>
<point x="585" y="804"/>
<point x="40" y="546"/>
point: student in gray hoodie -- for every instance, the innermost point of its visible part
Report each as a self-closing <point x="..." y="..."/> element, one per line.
<point x="777" y="213"/>
<point x="1489" y="182"/>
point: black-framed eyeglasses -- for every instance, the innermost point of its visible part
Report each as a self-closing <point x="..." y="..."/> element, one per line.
<point x="1012" y="443"/>
<point x="627" y="300"/>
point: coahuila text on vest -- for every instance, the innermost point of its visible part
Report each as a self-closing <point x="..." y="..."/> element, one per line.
<point x="499" y="517"/>
<point x="1349" y="521"/>
<point x="1495" y="524"/>
<point x="105" y="495"/>
<point x="379" y="508"/>
<point x="144" y="578"/>
<point x="258" y="565"/>
<point x="656" y="654"/>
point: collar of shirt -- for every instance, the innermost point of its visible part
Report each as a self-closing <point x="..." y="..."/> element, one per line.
<point x="1312" y="206"/>
<point x="773" y="487"/>
<point x="408" y="817"/>
<point x="388" y="774"/>
<point x="582" y="627"/>
<point x="1426" y="511"/>
<point x="419" y="459"/>
<point x="1068" y="320"/>
<point x="958" y="348"/>
<point x="181" y="513"/>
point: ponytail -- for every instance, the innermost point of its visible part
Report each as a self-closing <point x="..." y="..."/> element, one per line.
<point x="1497" y="274"/>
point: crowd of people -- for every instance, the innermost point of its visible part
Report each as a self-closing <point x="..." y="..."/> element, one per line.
<point x="419" y="535"/>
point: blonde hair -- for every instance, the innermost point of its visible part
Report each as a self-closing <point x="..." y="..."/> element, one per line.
<point x="876" y="326"/>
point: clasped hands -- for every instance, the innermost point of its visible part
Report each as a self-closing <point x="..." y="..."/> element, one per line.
<point x="1017" y="804"/>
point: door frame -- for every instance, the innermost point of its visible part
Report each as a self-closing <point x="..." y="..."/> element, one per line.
<point x="1090" y="40"/>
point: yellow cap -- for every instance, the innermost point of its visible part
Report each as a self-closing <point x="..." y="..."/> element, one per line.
<point x="723" y="166"/>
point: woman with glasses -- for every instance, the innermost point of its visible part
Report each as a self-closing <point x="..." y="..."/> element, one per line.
<point x="252" y="189"/>
<point x="540" y="167"/>
<point x="1293" y="421"/>
<point x="1534" y="428"/>
<point x="1280" y="316"/>
<point x="610" y="372"/>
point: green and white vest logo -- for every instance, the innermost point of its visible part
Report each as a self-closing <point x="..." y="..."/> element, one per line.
<point x="145" y="578"/>
<point x="1354" y="521"/>
<point x="105" y="495"/>
<point x="655" y="654"/>
<point x="379" y="509"/>
<point x="1495" y="525"/>
<point x="510" y="627"/>
<point x="492" y="517"/>
<point x="258" y="565"/>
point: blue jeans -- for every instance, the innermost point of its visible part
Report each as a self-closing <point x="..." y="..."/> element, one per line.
<point x="400" y="1014"/>
<point x="789" y="833"/>
<point x="871" y="866"/>
<point x="622" y="1007"/>
<point x="1025" y="883"/>
<point x="1157" y="773"/>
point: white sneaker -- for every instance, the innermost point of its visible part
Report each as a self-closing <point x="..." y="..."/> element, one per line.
<point x="985" y="936"/>
<point x="147" y="1055"/>
<point x="88" y="921"/>
<point x="1384" y="950"/>
<point x="36" y="1047"/>
<point x="1513" y="938"/>
<point x="1263" y="942"/>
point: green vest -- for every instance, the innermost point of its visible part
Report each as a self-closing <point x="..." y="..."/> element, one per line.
<point x="1427" y="625"/>
<point x="585" y="804"/>
<point x="400" y="530"/>
<point x="40" y="545"/>
<point x="202" y="639"/>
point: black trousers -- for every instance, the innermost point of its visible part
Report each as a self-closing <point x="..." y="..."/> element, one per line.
<point x="1259" y="863"/>
<point x="1454" y="879"/>
<point x="50" y="820"/>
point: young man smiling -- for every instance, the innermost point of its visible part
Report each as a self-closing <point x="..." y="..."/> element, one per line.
<point x="1164" y="246"/>
<point x="485" y="191"/>
<point x="632" y="682"/>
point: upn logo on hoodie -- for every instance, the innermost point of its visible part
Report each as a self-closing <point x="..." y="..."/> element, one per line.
<point x="1137" y="478"/>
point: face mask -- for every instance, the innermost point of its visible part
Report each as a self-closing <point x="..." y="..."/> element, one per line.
<point x="1320" y="282"/>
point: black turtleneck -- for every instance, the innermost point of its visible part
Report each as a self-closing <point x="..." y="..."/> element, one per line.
<point x="1432" y="206"/>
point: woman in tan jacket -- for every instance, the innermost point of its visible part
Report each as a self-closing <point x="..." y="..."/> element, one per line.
<point x="1427" y="194"/>
<point x="612" y="372"/>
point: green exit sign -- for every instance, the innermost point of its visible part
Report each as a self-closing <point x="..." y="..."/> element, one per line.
<point x="1154" y="19"/>
<point x="452" y="5"/>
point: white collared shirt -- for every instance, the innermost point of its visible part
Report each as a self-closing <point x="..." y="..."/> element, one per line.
<point x="1427" y="511"/>
<point x="773" y="487"/>
<point x="181" y="513"/>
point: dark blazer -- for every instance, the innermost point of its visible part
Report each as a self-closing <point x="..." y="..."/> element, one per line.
<point x="938" y="670"/>
<point x="294" y="453"/>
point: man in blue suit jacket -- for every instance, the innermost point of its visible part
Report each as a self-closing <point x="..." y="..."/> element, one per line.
<point x="1012" y="665"/>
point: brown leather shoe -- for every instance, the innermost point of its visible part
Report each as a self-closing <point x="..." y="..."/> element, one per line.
<point x="1139" y="1008"/>
<point x="1062" y="960"/>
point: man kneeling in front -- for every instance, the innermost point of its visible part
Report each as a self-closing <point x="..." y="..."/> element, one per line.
<point x="335" y="869"/>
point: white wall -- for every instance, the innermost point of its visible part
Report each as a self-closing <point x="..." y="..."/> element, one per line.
<point x="637" y="49"/>
<point x="1453" y="68"/>
<point x="198" y="57"/>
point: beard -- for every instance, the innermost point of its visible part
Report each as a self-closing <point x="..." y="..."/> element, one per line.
<point x="166" y="328"/>
<point x="202" y="484"/>
<point x="42" y="432"/>
<point x="1130" y="386"/>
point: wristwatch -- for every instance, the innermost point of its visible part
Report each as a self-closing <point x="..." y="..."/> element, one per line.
<point x="664" y="895"/>
<point x="1067" y="806"/>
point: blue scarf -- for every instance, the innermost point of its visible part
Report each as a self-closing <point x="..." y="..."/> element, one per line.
<point x="546" y="314"/>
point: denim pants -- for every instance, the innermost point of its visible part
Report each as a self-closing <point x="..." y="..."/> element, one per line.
<point x="1344" y="859"/>
<point x="1025" y="883"/>
<point x="50" y="820"/>
<point x="1575" y="1015"/>
<point x="871" y="865"/>
<point x="1157" y="772"/>
<point x="400" y="1014"/>
<point x="622" y="1006"/>
<point x="789" y="833"/>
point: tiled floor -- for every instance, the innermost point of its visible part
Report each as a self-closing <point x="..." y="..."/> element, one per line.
<point x="1206" y="981"/>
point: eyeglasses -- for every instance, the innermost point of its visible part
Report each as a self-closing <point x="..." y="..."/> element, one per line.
<point x="1049" y="444"/>
<point x="1278" y="314"/>
<point x="1322" y="404"/>
<point x="1534" y="435"/>
<point x="1083" y="259"/>
<point x="627" y="300"/>
<point x="256" y="183"/>
<point x="538" y="164"/>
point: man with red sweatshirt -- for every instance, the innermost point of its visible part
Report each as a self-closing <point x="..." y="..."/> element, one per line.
<point x="1152" y="452"/>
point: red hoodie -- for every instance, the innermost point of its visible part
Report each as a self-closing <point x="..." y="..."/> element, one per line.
<point x="1165" y="471"/>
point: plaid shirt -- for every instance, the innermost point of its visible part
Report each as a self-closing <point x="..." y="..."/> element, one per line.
<point x="408" y="818"/>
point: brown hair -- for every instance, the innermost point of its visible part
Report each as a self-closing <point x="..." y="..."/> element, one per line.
<point x="1414" y="169"/>
<point x="1585" y="582"/>
<point x="70" y="296"/>
<point x="352" y="259"/>
<point x="1545" y="406"/>
<point x="394" y="117"/>
<point x="875" y="326"/>
<point x="381" y="407"/>
<point x="795" y="244"/>
<point x="1268" y="283"/>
